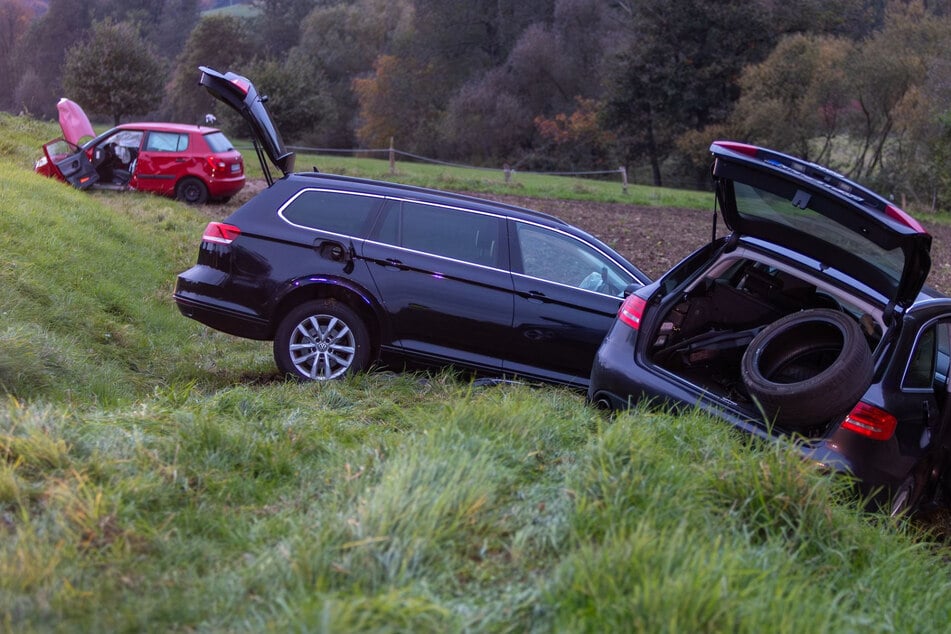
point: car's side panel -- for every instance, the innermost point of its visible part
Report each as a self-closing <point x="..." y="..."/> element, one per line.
<point x="561" y="310"/>
<point x="453" y="307"/>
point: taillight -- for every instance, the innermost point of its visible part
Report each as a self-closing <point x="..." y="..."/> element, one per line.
<point x="896" y="213"/>
<point x="220" y="233"/>
<point x="241" y="83"/>
<point x="739" y="148"/>
<point x="216" y="163"/>
<point x="873" y="422"/>
<point x="631" y="311"/>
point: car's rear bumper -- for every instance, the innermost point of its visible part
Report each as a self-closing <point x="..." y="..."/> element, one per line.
<point x="223" y="319"/>
<point x="225" y="187"/>
<point x="194" y="300"/>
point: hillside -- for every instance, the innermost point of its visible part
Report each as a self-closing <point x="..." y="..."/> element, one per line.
<point x="158" y="477"/>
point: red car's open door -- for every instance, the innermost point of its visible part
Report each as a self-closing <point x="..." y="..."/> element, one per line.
<point x="72" y="163"/>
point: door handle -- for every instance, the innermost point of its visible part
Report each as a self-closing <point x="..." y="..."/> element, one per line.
<point x="395" y="263"/>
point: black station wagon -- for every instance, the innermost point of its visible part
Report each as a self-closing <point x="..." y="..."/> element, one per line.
<point x="810" y="321"/>
<point x="340" y="272"/>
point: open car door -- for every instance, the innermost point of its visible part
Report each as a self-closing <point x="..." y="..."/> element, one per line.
<point x="72" y="163"/>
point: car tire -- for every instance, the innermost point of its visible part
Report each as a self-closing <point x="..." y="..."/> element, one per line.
<point x="192" y="191"/>
<point x="321" y="340"/>
<point x="904" y="500"/>
<point x="807" y="367"/>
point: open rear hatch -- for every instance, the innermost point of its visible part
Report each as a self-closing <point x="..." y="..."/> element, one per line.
<point x="240" y="94"/>
<point x="814" y="211"/>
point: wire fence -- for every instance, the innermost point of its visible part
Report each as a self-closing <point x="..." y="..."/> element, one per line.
<point x="508" y="171"/>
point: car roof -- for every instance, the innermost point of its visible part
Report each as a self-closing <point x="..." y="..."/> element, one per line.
<point x="166" y="127"/>
<point x="425" y="194"/>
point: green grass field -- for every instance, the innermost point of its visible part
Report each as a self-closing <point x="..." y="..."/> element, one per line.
<point x="159" y="477"/>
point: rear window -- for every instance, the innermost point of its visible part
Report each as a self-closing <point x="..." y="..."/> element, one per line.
<point x="336" y="212"/>
<point x="218" y="142"/>
<point x="798" y="215"/>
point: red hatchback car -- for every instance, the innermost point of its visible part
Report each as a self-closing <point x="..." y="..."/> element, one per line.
<point x="189" y="162"/>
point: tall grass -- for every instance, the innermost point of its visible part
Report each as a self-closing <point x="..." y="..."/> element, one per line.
<point x="155" y="476"/>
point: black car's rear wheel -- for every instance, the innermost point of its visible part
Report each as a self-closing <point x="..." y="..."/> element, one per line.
<point x="807" y="367"/>
<point x="192" y="191"/>
<point x="321" y="340"/>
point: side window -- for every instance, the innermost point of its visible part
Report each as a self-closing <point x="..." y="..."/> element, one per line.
<point x="943" y="354"/>
<point x="337" y="212"/>
<point x="388" y="228"/>
<point x="920" y="374"/>
<point x="452" y="233"/>
<point x="166" y="142"/>
<point x="559" y="258"/>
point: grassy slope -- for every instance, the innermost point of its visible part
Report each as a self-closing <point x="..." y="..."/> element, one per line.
<point x="156" y="478"/>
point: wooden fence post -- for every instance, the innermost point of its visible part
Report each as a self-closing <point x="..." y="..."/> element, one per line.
<point x="508" y="173"/>
<point x="392" y="158"/>
<point x="623" y="171"/>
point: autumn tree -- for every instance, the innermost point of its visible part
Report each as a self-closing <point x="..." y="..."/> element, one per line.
<point x="342" y="41"/>
<point x="680" y="71"/>
<point x="899" y="130"/>
<point x="41" y="52"/>
<point x="397" y="102"/>
<point x="220" y="42"/>
<point x="296" y="92"/>
<point x="551" y="64"/>
<point x="165" y="24"/>
<point x="14" y="20"/>
<point x="112" y="72"/>
<point x="798" y="99"/>
<point x="875" y="109"/>
<point x="577" y="141"/>
<point x="276" y="27"/>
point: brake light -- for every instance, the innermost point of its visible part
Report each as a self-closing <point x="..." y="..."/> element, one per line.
<point x="896" y="213"/>
<point x="220" y="233"/>
<point x="631" y="311"/>
<point x="243" y="84"/>
<point x="870" y="421"/>
<point x="739" y="148"/>
<point x="216" y="163"/>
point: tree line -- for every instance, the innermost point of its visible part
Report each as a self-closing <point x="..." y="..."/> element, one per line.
<point x="861" y="85"/>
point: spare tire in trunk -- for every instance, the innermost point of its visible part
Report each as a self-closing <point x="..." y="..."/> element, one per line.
<point x="807" y="367"/>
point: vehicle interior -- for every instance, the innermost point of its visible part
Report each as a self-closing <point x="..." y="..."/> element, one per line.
<point x="115" y="158"/>
<point x="702" y="339"/>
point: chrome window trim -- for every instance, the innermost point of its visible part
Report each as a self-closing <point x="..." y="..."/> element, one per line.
<point x="499" y="216"/>
<point x="433" y="255"/>
<point x="576" y="288"/>
<point x="301" y="192"/>
<point x="593" y="247"/>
